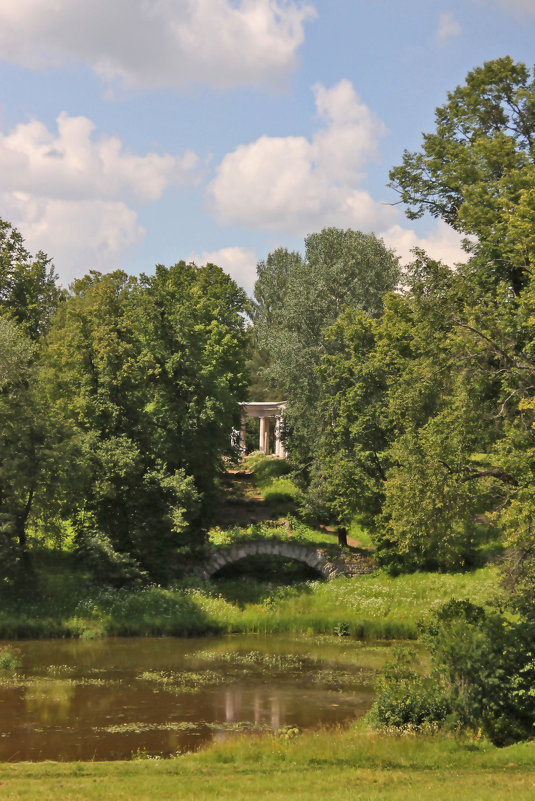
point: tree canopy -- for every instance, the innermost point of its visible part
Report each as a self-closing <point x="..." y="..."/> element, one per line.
<point x="476" y="170"/>
<point x="298" y="298"/>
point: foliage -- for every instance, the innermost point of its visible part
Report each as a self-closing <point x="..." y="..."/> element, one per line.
<point x="148" y="373"/>
<point x="404" y="700"/>
<point x="34" y="449"/>
<point x="28" y="291"/>
<point x="482" y="676"/>
<point x="426" y="412"/>
<point x="347" y="475"/>
<point x="297" y="299"/>
<point x="9" y="659"/>
<point x="475" y="171"/>
<point x="487" y="664"/>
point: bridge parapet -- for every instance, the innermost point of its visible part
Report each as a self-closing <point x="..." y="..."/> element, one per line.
<point x="313" y="557"/>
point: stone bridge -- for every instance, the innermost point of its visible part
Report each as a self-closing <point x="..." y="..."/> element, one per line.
<point x="312" y="557"/>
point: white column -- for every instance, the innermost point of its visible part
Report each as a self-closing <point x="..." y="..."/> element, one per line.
<point x="281" y="450"/>
<point x="266" y="435"/>
<point x="262" y="439"/>
<point x="242" y="434"/>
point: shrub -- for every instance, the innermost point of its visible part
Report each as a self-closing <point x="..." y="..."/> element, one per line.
<point x="487" y="663"/>
<point x="482" y="677"/>
<point x="405" y="699"/>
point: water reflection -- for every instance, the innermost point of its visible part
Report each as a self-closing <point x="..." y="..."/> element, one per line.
<point x="108" y="699"/>
<point x="49" y="701"/>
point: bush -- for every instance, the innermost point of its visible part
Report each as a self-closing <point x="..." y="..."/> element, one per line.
<point x="482" y="677"/>
<point x="405" y="699"/>
<point x="487" y="663"/>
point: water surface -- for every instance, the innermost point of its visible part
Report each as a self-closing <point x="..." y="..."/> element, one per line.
<point x="113" y="698"/>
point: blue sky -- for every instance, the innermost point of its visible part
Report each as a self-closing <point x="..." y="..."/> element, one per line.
<point x="136" y="132"/>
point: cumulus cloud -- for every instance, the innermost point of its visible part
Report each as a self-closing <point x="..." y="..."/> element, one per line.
<point x="152" y="43"/>
<point x="239" y="263"/>
<point x="448" y="27"/>
<point x="84" y="235"/>
<point x="295" y="185"/>
<point x="443" y="243"/>
<point x="71" y="193"/>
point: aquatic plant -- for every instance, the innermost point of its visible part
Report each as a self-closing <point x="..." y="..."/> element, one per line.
<point x="9" y="659"/>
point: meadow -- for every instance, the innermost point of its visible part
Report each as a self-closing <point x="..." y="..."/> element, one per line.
<point x="347" y="765"/>
<point x="368" y="606"/>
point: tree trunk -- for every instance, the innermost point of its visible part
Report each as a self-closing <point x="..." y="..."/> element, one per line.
<point x="342" y="536"/>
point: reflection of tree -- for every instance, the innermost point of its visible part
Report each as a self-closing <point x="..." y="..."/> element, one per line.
<point x="50" y="699"/>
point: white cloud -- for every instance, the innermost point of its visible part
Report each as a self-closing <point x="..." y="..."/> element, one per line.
<point x="448" y="27"/>
<point x="295" y="185"/>
<point x="71" y="193"/>
<point x="79" y="236"/>
<point x="239" y="263"/>
<point x="443" y="243"/>
<point x="151" y="43"/>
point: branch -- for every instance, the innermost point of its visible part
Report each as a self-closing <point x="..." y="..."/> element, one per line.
<point x="494" y="472"/>
<point x="500" y="350"/>
<point x="470" y="473"/>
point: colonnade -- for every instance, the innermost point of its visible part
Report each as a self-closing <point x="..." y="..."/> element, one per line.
<point x="266" y="411"/>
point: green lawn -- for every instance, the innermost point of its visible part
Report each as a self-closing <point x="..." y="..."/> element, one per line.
<point x="324" y="766"/>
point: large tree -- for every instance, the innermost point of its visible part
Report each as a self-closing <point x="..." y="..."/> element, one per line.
<point x="34" y="451"/>
<point x="28" y="284"/>
<point x="150" y="372"/>
<point x="425" y="411"/>
<point x="476" y="169"/>
<point x="298" y="298"/>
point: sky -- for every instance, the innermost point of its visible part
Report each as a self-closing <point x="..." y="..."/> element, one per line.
<point x="143" y="132"/>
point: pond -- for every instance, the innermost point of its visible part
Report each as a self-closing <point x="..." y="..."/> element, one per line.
<point x="115" y="698"/>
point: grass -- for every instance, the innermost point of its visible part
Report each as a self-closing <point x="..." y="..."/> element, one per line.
<point x="360" y="534"/>
<point x="368" y="606"/>
<point x="271" y="476"/>
<point x="295" y="531"/>
<point x="338" y="766"/>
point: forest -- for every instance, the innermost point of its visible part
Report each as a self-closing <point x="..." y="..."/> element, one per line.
<point x="410" y="406"/>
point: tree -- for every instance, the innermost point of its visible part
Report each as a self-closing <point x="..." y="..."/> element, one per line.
<point x="18" y="444"/>
<point x="33" y="450"/>
<point x="475" y="171"/>
<point x="149" y="372"/>
<point x="297" y="299"/>
<point x="477" y="167"/>
<point x="348" y="472"/>
<point x="28" y="290"/>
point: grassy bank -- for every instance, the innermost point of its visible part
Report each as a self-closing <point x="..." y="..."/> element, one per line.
<point x="350" y="766"/>
<point x="368" y="606"/>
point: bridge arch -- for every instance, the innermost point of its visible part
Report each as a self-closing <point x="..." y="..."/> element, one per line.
<point x="312" y="557"/>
